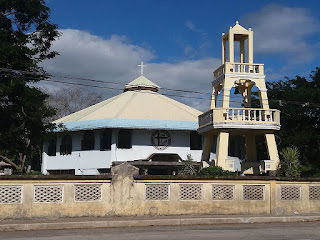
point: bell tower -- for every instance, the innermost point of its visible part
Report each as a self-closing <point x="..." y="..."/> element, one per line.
<point x="238" y="72"/>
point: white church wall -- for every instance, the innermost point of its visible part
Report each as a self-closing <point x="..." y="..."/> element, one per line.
<point x="88" y="162"/>
<point x="142" y="148"/>
<point x="83" y="162"/>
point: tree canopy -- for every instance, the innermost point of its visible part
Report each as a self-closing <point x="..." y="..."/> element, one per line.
<point x="299" y="102"/>
<point x="71" y="99"/>
<point x="26" y="36"/>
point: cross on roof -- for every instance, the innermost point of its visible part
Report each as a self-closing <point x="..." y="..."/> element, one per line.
<point x="141" y="66"/>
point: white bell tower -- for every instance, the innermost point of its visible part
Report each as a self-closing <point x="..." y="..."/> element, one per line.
<point x="239" y="72"/>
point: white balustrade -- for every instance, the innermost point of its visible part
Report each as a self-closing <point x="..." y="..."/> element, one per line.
<point x="247" y="114"/>
<point x="239" y="115"/>
<point x="247" y="68"/>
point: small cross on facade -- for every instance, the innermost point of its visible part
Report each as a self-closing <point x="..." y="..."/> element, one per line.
<point x="141" y="66"/>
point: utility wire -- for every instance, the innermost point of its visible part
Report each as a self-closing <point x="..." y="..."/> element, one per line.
<point x="121" y="89"/>
<point x="20" y="72"/>
<point x="93" y="80"/>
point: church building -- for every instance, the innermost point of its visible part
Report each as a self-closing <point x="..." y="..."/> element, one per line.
<point x="148" y="129"/>
<point x="140" y="126"/>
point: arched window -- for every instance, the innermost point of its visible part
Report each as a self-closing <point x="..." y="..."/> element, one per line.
<point x="105" y="139"/>
<point x="195" y="141"/>
<point x="52" y="148"/>
<point x="87" y="142"/>
<point x="124" y="139"/>
<point x="66" y="145"/>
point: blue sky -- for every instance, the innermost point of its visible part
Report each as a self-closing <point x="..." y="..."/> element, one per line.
<point x="180" y="40"/>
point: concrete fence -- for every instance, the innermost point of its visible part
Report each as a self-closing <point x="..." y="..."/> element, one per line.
<point x="125" y="195"/>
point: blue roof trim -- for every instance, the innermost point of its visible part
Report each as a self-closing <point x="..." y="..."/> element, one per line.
<point x="129" y="124"/>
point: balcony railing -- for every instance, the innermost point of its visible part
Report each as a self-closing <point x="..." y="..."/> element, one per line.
<point x="240" y="118"/>
<point x="239" y="68"/>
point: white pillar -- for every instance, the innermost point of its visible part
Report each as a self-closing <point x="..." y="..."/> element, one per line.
<point x="231" y="47"/>
<point x="242" y="52"/>
<point x="250" y="47"/>
<point x="207" y="146"/>
<point x="251" y="152"/>
<point x="272" y="150"/>
<point x="213" y="99"/>
<point x="222" y="150"/>
<point x="226" y="97"/>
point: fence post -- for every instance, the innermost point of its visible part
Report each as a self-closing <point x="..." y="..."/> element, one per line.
<point x="122" y="189"/>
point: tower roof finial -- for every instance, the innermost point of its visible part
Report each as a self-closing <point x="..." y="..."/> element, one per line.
<point x="237" y="22"/>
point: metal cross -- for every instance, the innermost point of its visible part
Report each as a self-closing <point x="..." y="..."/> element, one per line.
<point x="162" y="140"/>
<point x="141" y="65"/>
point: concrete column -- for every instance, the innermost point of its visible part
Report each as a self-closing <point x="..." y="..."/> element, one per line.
<point x="122" y="189"/>
<point x="272" y="150"/>
<point x="226" y="97"/>
<point x="250" y="48"/>
<point x="247" y="98"/>
<point x="251" y="152"/>
<point x="222" y="150"/>
<point x="213" y="99"/>
<point x="223" y="53"/>
<point x="206" y="148"/>
<point x="242" y="52"/>
<point x="263" y="98"/>
<point x="114" y="145"/>
<point x="231" y="47"/>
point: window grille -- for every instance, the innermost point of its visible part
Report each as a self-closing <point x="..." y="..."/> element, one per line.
<point x="253" y="192"/>
<point x="10" y="194"/>
<point x="290" y="192"/>
<point x="314" y="192"/>
<point x="157" y="192"/>
<point x="190" y="191"/>
<point x="48" y="194"/>
<point x="222" y="192"/>
<point x="87" y="193"/>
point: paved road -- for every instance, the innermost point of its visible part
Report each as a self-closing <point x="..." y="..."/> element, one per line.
<point x="279" y="231"/>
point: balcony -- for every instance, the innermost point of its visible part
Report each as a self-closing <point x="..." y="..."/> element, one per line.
<point x="239" y="118"/>
<point x="239" y="68"/>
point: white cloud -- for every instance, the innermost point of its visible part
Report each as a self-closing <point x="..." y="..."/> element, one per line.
<point x="284" y="30"/>
<point x="203" y="46"/>
<point x="88" y="56"/>
<point x="190" y="25"/>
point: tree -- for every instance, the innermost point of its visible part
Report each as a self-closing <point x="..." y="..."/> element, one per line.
<point x="70" y="100"/>
<point x="299" y="102"/>
<point x="26" y="35"/>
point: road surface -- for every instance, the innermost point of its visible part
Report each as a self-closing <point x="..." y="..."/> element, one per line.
<point x="274" y="231"/>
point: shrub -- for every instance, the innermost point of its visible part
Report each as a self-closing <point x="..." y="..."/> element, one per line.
<point x="188" y="168"/>
<point x="289" y="162"/>
<point x="215" y="171"/>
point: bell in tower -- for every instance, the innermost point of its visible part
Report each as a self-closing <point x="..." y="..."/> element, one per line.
<point x="238" y="72"/>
